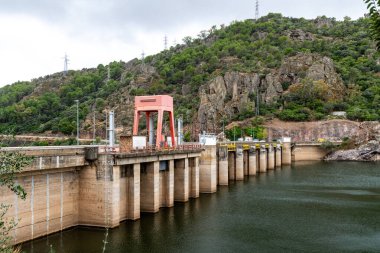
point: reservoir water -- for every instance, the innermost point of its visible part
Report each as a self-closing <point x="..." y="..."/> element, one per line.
<point x="309" y="207"/>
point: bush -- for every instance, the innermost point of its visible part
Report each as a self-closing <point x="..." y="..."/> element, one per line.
<point x="328" y="146"/>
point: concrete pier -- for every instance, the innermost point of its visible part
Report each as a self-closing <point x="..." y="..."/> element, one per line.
<point x="194" y="177"/>
<point x="278" y="156"/>
<point x="103" y="184"/>
<point x="181" y="180"/>
<point x="286" y="152"/>
<point x="263" y="160"/>
<point x="132" y="193"/>
<point x="149" y="187"/>
<point x="246" y="162"/>
<point x="239" y="174"/>
<point x="167" y="183"/>
<point x="207" y="170"/>
<point x="223" y="165"/>
<point x="271" y="159"/>
<point x="231" y="165"/>
<point x="252" y="164"/>
<point x="257" y="160"/>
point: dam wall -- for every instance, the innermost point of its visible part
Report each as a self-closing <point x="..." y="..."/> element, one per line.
<point x="71" y="186"/>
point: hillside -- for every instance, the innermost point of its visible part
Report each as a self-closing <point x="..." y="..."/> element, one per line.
<point x="298" y="70"/>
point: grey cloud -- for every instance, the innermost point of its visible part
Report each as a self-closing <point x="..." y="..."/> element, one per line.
<point x="119" y="18"/>
<point x="44" y="9"/>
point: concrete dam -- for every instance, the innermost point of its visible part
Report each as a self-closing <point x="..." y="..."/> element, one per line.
<point x="92" y="186"/>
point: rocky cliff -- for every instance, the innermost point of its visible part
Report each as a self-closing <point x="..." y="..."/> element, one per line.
<point x="234" y="92"/>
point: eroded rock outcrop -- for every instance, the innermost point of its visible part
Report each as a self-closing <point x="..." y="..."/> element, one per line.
<point x="300" y="35"/>
<point x="313" y="67"/>
<point x="330" y="130"/>
<point x="235" y="92"/>
<point x="366" y="152"/>
<point x="323" y="22"/>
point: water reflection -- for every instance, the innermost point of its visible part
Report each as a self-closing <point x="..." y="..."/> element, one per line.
<point x="309" y="207"/>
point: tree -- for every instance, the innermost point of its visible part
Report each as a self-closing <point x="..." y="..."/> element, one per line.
<point x="374" y="13"/>
<point x="10" y="164"/>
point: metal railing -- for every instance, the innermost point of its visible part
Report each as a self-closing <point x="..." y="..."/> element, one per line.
<point x="153" y="148"/>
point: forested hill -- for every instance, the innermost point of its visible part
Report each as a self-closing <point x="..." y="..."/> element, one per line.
<point x="298" y="69"/>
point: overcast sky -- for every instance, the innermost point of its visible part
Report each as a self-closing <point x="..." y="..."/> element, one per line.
<point x="36" y="34"/>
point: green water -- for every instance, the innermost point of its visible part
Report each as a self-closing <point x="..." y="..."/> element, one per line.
<point x="311" y="207"/>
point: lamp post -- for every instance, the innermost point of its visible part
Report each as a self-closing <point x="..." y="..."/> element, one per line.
<point x="77" y="101"/>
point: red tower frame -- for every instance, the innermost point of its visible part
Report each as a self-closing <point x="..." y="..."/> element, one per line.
<point x="150" y="104"/>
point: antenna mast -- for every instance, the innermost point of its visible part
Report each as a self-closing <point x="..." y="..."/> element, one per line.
<point x="257" y="15"/>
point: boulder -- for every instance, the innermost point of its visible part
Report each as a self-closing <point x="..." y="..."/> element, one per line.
<point x="300" y="35"/>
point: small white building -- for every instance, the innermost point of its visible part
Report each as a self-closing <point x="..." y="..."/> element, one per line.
<point x="341" y="114"/>
<point x="139" y="142"/>
<point x="207" y="139"/>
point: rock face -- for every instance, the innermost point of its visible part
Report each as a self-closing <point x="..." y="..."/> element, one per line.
<point x="366" y="152"/>
<point x="322" y="22"/>
<point x="300" y="35"/>
<point x="313" y="67"/>
<point x="331" y="130"/>
<point x="235" y="92"/>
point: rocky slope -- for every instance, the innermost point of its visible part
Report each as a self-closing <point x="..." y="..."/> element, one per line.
<point x="235" y="92"/>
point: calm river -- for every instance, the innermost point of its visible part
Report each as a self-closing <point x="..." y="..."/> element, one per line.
<point x="311" y="207"/>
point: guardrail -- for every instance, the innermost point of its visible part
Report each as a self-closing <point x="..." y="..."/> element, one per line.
<point x="153" y="148"/>
<point x="257" y="145"/>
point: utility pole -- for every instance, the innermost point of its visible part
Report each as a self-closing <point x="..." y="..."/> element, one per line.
<point x="77" y="102"/>
<point x="111" y="129"/>
<point x="258" y="102"/>
<point x="93" y="123"/>
<point x="224" y="136"/>
<point x="106" y="127"/>
<point x="108" y="73"/>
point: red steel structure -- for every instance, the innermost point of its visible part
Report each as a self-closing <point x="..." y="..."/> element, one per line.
<point x="152" y="104"/>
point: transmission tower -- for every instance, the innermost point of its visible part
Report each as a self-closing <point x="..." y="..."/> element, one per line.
<point x="65" y="64"/>
<point x="142" y="56"/>
<point x="166" y="42"/>
<point x="143" y="59"/>
<point x="257" y="14"/>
